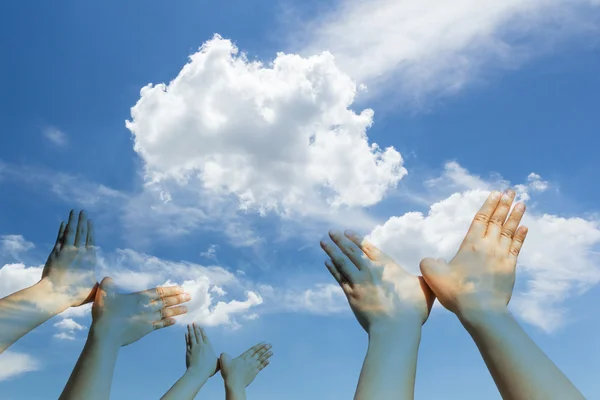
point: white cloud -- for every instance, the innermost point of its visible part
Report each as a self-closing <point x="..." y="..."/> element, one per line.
<point x="279" y="137"/>
<point x="211" y="252"/>
<point x="14" y="246"/>
<point x="13" y="364"/>
<point x="55" y="135"/>
<point x="418" y="48"/>
<point x="321" y="299"/>
<point x="14" y="277"/>
<point x="67" y="328"/>
<point x="556" y="262"/>
<point x="70" y="335"/>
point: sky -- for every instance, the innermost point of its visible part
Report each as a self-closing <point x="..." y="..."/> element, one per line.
<point x="215" y="143"/>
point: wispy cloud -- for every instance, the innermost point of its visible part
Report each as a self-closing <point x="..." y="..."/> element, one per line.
<point x="13" y="364"/>
<point x="56" y="136"/>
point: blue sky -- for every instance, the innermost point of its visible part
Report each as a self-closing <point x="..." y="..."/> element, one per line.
<point x="473" y="100"/>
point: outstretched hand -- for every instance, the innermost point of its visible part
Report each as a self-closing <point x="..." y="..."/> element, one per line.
<point x="70" y="268"/>
<point x="126" y="318"/>
<point x="241" y="371"/>
<point x="379" y="291"/>
<point x="481" y="276"/>
<point x="200" y="356"/>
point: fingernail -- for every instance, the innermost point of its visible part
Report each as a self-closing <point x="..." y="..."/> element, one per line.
<point x="187" y="297"/>
<point x="520" y="206"/>
<point x="333" y="232"/>
<point x="495" y="194"/>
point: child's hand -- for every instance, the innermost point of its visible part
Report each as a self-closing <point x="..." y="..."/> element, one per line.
<point x="200" y="358"/>
<point x="241" y="371"/>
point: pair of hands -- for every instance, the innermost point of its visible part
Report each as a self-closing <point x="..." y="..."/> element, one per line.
<point x="69" y="278"/>
<point x="238" y="373"/>
<point x="479" y="279"/>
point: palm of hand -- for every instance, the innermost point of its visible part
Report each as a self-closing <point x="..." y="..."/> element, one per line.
<point x="482" y="274"/>
<point x="126" y="318"/>
<point x="377" y="288"/>
<point x="389" y="293"/>
<point x="199" y="352"/>
<point x="70" y="265"/>
<point x="243" y="369"/>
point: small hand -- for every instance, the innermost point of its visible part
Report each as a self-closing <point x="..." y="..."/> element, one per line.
<point x="379" y="291"/>
<point x="241" y="371"/>
<point x="69" y="269"/>
<point x="199" y="356"/>
<point x="481" y="276"/>
<point x="126" y="318"/>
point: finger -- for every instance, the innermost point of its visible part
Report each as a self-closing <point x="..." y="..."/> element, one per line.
<point x="161" y="292"/>
<point x="263" y="365"/>
<point x="517" y="243"/>
<point x="265" y="356"/>
<point x="81" y="229"/>
<point x="163" y="323"/>
<point x="90" y="240"/>
<point x="204" y="336"/>
<point x="349" y="248"/>
<point x="261" y="349"/>
<point x="370" y="250"/>
<point x="197" y="334"/>
<point x="499" y="216"/>
<point x="60" y="237"/>
<point x="510" y="227"/>
<point x="172" y="312"/>
<point x="177" y="299"/>
<point x="252" y="349"/>
<point x="70" y="229"/>
<point x="190" y="336"/>
<point x="259" y="353"/>
<point x="343" y="264"/>
<point x="341" y="280"/>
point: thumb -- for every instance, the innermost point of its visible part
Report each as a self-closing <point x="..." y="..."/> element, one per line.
<point x="431" y="265"/>
<point x="108" y="286"/>
<point x="225" y="360"/>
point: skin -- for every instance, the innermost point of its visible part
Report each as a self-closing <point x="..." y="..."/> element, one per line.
<point x="477" y="285"/>
<point x="241" y="371"/>
<point x="201" y="363"/>
<point x="68" y="280"/>
<point x="119" y="320"/>
<point x="390" y="304"/>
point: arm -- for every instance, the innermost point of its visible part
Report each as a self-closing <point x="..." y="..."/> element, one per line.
<point x="390" y="365"/>
<point x="68" y="280"/>
<point x="390" y="304"/>
<point x="25" y="310"/>
<point x="201" y="363"/>
<point x="94" y="370"/>
<point x="118" y="320"/>
<point x="477" y="286"/>
<point x="519" y="367"/>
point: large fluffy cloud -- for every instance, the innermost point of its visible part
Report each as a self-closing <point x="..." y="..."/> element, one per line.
<point x="557" y="260"/>
<point x="437" y="46"/>
<point x="278" y="137"/>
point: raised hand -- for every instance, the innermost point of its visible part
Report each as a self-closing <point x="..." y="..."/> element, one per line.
<point x="481" y="276"/>
<point x="379" y="291"/>
<point x="241" y="371"/>
<point x="126" y="318"/>
<point x="200" y="356"/>
<point x="70" y="269"/>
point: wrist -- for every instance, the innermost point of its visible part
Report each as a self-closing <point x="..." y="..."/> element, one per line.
<point x="482" y="318"/>
<point x="198" y="373"/>
<point x="48" y="298"/>
<point x="101" y="336"/>
<point x="234" y="386"/>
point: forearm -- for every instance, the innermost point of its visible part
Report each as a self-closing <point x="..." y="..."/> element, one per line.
<point x="187" y="387"/>
<point x="234" y="391"/>
<point x="25" y="310"/>
<point x="519" y="367"/>
<point x="92" y="376"/>
<point x="390" y="365"/>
